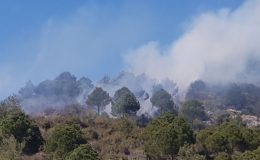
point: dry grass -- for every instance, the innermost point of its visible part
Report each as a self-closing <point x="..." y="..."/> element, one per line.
<point x="112" y="138"/>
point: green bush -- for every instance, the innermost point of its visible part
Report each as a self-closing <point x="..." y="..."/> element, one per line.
<point x="164" y="136"/>
<point x="83" y="152"/>
<point x="249" y="155"/>
<point x="189" y="152"/>
<point x="64" y="139"/>
<point x="223" y="156"/>
<point x="23" y="129"/>
<point x="229" y="137"/>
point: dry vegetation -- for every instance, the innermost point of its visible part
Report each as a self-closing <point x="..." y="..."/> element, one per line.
<point x="111" y="138"/>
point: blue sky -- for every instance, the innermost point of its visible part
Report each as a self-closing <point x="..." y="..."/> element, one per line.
<point x="40" y="39"/>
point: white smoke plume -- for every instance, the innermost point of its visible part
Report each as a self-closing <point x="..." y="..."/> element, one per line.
<point x="142" y="86"/>
<point x="221" y="46"/>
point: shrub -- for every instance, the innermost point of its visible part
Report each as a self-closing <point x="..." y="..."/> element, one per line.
<point x="23" y="129"/>
<point x="83" y="152"/>
<point x="64" y="139"/>
<point x="165" y="135"/>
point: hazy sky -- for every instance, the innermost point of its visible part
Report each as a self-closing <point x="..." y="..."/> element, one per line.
<point x="40" y="39"/>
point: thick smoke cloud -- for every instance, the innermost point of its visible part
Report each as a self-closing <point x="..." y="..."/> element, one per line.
<point x="218" y="47"/>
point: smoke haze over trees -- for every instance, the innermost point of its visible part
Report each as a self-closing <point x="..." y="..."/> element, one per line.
<point x="67" y="90"/>
<point x="180" y="80"/>
<point x="198" y="52"/>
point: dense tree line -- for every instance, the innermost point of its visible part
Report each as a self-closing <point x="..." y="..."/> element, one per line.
<point x="177" y="133"/>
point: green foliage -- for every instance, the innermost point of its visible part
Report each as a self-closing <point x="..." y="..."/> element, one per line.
<point x="189" y="152"/>
<point x="192" y="110"/>
<point x="202" y="137"/>
<point x="64" y="139"/>
<point x="124" y="102"/>
<point x="250" y="155"/>
<point x="223" y="156"/>
<point x="217" y="142"/>
<point x="165" y="135"/>
<point x="163" y="100"/>
<point x="197" y="90"/>
<point x="229" y="137"/>
<point x="235" y="97"/>
<point x="251" y="137"/>
<point x="98" y="98"/>
<point x="9" y="105"/>
<point x="19" y="125"/>
<point x="83" y="152"/>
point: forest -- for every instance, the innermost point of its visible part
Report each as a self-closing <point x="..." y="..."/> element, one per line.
<point x="130" y="80"/>
<point x="211" y="123"/>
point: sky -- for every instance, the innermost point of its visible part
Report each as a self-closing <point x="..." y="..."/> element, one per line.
<point x="40" y="39"/>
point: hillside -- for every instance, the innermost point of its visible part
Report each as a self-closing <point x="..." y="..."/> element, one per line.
<point x="130" y="117"/>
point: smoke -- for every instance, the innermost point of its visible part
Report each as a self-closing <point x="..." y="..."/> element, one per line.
<point x="142" y="86"/>
<point x="84" y="41"/>
<point x="62" y="91"/>
<point x="66" y="90"/>
<point x="217" y="47"/>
